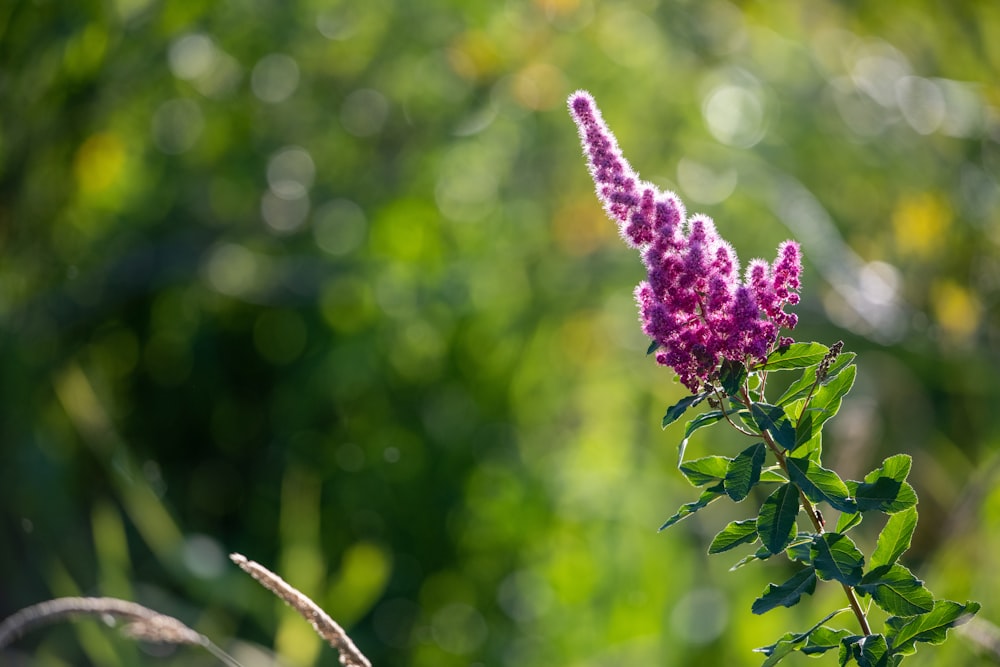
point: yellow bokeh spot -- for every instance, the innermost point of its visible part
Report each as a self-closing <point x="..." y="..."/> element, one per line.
<point x="473" y="55"/>
<point x="919" y="222"/>
<point x="539" y="86"/>
<point x="99" y="162"/>
<point x="956" y="310"/>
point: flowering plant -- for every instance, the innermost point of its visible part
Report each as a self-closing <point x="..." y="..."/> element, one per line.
<point x="720" y="334"/>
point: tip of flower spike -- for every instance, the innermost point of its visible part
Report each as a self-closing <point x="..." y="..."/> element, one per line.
<point x="580" y="101"/>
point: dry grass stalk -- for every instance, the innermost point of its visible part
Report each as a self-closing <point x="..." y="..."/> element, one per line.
<point x="143" y="623"/>
<point x="325" y="626"/>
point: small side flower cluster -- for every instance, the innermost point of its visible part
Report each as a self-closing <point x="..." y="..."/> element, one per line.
<point x="693" y="304"/>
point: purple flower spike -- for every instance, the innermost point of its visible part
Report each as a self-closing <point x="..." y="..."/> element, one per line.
<point x="693" y="303"/>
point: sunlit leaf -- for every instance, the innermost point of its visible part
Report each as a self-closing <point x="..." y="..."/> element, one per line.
<point x="895" y="538"/>
<point x="733" y="535"/>
<point x="744" y="471"/>
<point x="776" y="523"/>
<point x="802" y="386"/>
<point x="796" y="355"/>
<point x="824" y="404"/>
<point x="897" y="591"/>
<point x="837" y="558"/>
<point x="820" y="484"/>
<point x="786" y="594"/>
<point x="686" y="510"/>
<point x="848" y="521"/>
<point x="885" y="488"/>
<point x="772" y="475"/>
<point x="932" y="627"/>
<point x="761" y="554"/>
<point x="675" y="411"/>
<point x="706" y="470"/>
<point x="819" y="639"/>
<point x="701" y="421"/>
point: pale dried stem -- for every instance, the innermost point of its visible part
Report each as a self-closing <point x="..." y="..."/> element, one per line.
<point x="325" y="626"/>
<point x="143" y="623"/>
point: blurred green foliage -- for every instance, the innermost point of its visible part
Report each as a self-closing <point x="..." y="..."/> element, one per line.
<point x="325" y="283"/>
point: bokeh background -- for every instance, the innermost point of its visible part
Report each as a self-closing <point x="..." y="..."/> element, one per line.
<point x="325" y="283"/>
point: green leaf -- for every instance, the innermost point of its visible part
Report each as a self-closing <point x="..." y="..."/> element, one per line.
<point x="820" y="640"/>
<point x="837" y="558"/>
<point x="787" y="643"/>
<point x="824" y="639"/>
<point x="801" y="387"/>
<point x="733" y="535"/>
<point x="773" y="419"/>
<point x="801" y="548"/>
<point x="897" y="591"/>
<point x="675" y="411"/>
<point x="931" y="627"/>
<point x="761" y="554"/>
<point x="776" y="523"/>
<point x="820" y="484"/>
<point x="787" y="594"/>
<point x="731" y="376"/>
<point x="772" y="475"/>
<point x="895" y="538"/>
<point x="885" y="488"/>
<point x="744" y="471"/>
<point x="848" y="521"/>
<point x="796" y="355"/>
<point x="706" y="470"/>
<point x="871" y="651"/>
<point x="701" y="421"/>
<point x="824" y="404"/>
<point x="707" y="496"/>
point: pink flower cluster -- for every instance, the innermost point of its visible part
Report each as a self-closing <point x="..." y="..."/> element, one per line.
<point x="693" y="304"/>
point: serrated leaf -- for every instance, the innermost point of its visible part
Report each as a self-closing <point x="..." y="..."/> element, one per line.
<point x="776" y="523"/>
<point x="773" y="419"/>
<point x="847" y="521"/>
<point x="824" y="404"/>
<point x="787" y="594"/>
<point x="895" y="538"/>
<point x="707" y="496"/>
<point x="744" y="471"/>
<point x="761" y="554"/>
<point x="820" y="484"/>
<point x="705" y="470"/>
<point x="731" y="376"/>
<point x="837" y="558"/>
<point x="885" y="489"/>
<point x="796" y="355"/>
<point x="801" y="387"/>
<point x="675" y="411"/>
<point x="897" y="591"/>
<point x="931" y="627"/>
<point x="733" y="535"/>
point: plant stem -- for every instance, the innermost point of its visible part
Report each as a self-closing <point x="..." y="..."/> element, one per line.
<point x="817" y="523"/>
